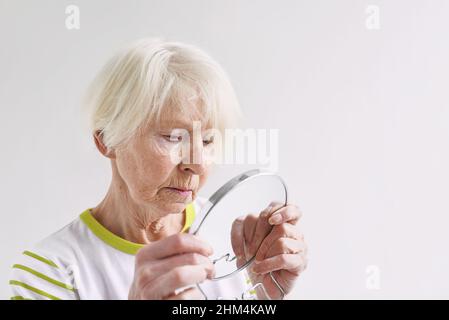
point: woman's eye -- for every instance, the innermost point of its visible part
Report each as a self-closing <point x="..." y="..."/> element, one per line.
<point x="177" y="139"/>
<point x="210" y="141"/>
<point x="174" y="139"/>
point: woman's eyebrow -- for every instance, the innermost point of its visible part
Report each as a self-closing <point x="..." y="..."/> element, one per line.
<point x="178" y="125"/>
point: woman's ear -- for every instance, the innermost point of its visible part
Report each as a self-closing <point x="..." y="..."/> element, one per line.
<point x="107" y="152"/>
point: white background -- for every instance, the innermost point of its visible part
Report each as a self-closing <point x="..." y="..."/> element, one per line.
<point x="363" y="117"/>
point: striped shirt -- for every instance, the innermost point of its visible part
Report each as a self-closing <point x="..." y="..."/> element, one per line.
<point x="85" y="261"/>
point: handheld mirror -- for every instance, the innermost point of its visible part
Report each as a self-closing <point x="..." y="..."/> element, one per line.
<point x="248" y="193"/>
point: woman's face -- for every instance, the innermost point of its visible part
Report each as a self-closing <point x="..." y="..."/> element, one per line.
<point x="156" y="160"/>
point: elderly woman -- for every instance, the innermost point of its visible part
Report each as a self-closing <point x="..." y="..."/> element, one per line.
<point x="135" y="243"/>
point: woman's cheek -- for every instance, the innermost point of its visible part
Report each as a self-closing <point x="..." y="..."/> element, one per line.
<point x="165" y="149"/>
<point x="210" y="156"/>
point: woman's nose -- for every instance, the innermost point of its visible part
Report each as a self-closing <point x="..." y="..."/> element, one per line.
<point x="198" y="169"/>
<point x="193" y="159"/>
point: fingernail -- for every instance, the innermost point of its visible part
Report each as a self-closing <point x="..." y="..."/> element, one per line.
<point x="254" y="269"/>
<point x="267" y="211"/>
<point x="275" y="219"/>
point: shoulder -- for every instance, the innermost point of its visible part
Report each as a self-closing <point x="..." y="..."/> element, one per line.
<point x="63" y="244"/>
<point x="43" y="271"/>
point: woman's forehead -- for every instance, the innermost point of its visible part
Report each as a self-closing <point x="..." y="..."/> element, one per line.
<point x="185" y="118"/>
<point x="178" y="121"/>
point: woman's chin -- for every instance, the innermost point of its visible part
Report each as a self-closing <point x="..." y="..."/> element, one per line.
<point x="170" y="202"/>
<point x="174" y="205"/>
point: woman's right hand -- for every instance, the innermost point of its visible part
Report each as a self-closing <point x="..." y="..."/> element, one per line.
<point x="171" y="263"/>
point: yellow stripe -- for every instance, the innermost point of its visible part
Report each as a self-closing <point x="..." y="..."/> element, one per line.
<point x="43" y="276"/>
<point x="122" y="244"/>
<point x="20" y="298"/>
<point x="33" y="289"/>
<point x="107" y="236"/>
<point x="190" y="216"/>
<point x="42" y="259"/>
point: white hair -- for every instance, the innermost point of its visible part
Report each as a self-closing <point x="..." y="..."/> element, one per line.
<point x="140" y="82"/>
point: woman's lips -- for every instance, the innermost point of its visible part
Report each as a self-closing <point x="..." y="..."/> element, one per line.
<point x="182" y="192"/>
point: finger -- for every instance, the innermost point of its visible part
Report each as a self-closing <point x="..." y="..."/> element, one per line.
<point x="289" y="262"/>
<point x="272" y="207"/>
<point x="175" y="244"/>
<point x="285" y="245"/>
<point x="154" y="269"/>
<point x="263" y="228"/>
<point x="188" y="294"/>
<point x="176" y="278"/>
<point x="290" y="213"/>
<point x="284" y="230"/>
<point x="237" y="237"/>
<point x="249" y="226"/>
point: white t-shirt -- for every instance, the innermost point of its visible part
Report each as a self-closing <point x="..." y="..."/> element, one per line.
<point x="86" y="261"/>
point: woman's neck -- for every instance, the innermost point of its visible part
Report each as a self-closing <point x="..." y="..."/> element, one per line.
<point x="118" y="213"/>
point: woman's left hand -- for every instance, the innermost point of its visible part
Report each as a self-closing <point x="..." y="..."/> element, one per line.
<point x="273" y="237"/>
